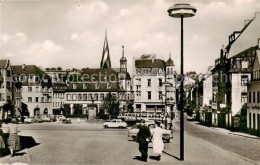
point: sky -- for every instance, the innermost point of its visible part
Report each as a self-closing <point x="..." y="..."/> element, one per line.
<point x="70" y="34"/>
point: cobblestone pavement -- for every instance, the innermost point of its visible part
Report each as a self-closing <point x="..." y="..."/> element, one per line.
<point x="92" y="144"/>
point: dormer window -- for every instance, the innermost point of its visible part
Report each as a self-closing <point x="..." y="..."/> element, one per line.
<point x="108" y="85"/>
<point x="97" y="86"/>
<point x="74" y="86"/>
<point x="30" y="79"/>
<point x="85" y="86"/>
<point x="137" y="71"/>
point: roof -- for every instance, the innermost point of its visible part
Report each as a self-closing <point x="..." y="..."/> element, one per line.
<point x="169" y="62"/>
<point x="123" y="59"/>
<point x="31" y="70"/>
<point x="28" y="69"/>
<point x="3" y="64"/>
<point x="149" y="63"/>
<point x="248" y="38"/>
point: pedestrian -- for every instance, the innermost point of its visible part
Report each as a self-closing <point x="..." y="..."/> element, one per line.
<point x="143" y="138"/>
<point x="13" y="140"/>
<point x="78" y="120"/>
<point x="158" y="145"/>
<point x="2" y="143"/>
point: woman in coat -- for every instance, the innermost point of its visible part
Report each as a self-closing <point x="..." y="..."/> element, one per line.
<point x="158" y="145"/>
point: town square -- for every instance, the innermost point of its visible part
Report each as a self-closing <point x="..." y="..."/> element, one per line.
<point x="130" y="82"/>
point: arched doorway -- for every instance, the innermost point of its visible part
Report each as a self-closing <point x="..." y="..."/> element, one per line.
<point x="45" y="111"/>
<point x="37" y="112"/>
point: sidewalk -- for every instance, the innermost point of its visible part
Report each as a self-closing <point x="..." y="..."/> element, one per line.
<point x="198" y="151"/>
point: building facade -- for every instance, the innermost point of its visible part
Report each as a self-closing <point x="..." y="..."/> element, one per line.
<point x="154" y="84"/>
<point x="5" y="88"/>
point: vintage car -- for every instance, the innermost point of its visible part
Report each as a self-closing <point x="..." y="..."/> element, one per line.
<point x="167" y="136"/>
<point x="27" y="119"/>
<point x="118" y="123"/>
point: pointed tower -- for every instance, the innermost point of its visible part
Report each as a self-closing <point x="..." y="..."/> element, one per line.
<point x="123" y="61"/>
<point x="169" y="66"/>
<point x="105" y="61"/>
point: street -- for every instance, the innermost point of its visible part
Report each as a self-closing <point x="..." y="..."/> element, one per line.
<point x="87" y="143"/>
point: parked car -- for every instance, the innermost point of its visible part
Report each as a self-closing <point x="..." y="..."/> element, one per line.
<point x="37" y="119"/>
<point x="115" y="123"/>
<point x="66" y="120"/>
<point x="167" y="135"/>
<point x="45" y="118"/>
<point x="27" y="119"/>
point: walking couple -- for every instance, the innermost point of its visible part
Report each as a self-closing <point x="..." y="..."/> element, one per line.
<point x="144" y="137"/>
<point x="13" y="140"/>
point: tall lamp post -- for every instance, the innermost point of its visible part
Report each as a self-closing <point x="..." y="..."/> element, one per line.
<point x="182" y="11"/>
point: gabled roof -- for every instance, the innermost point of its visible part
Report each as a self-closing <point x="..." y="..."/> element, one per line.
<point x="27" y="70"/>
<point x="3" y="64"/>
<point x="248" y="38"/>
<point x="149" y="63"/>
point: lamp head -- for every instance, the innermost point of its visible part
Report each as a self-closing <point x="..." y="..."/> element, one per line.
<point x="182" y="10"/>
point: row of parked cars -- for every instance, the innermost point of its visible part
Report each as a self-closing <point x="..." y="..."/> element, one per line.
<point x="132" y="132"/>
<point x="36" y="119"/>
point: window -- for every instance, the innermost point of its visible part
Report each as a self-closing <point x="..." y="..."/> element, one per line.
<point x="160" y="95"/>
<point x="258" y="99"/>
<point x="244" y="79"/>
<point x="253" y="120"/>
<point x="90" y="97"/>
<point x="36" y="99"/>
<point x="249" y="120"/>
<point x="85" y="97"/>
<point x="96" y="97"/>
<point x="160" y="82"/>
<point x="79" y="97"/>
<point x="29" y="99"/>
<point x="68" y="96"/>
<point x="258" y="122"/>
<point x="243" y="98"/>
<point x="84" y="86"/>
<point x="253" y="97"/>
<point x="97" y="86"/>
<point x="102" y="96"/>
<point x="148" y="82"/>
<point x="138" y="96"/>
<point x="74" y="97"/>
<point x="149" y="95"/>
<point x="108" y="85"/>
<point x="249" y="97"/>
<point x="29" y="89"/>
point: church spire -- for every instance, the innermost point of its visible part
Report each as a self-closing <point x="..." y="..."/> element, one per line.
<point x="105" y="61"/>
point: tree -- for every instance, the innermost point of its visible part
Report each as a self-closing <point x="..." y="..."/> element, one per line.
<point x="59" y="69"/>
<point x="77" y="109"/>
<point x="66" y="110"/>
<point x="110" y="107"/>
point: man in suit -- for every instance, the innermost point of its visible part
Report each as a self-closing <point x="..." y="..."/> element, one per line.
<point x="143" y="138"/>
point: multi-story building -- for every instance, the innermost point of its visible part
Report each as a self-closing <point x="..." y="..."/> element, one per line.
<point x="5" y="88"/>
<point x="59" y="79"/>
<point x="36" y="89"/>
<point x="93" y="85"/>
<point x="253" y="113"/>
<point x="154" y="85"/>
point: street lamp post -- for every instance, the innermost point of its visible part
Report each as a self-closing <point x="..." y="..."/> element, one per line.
<point x="182" y="11"/>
